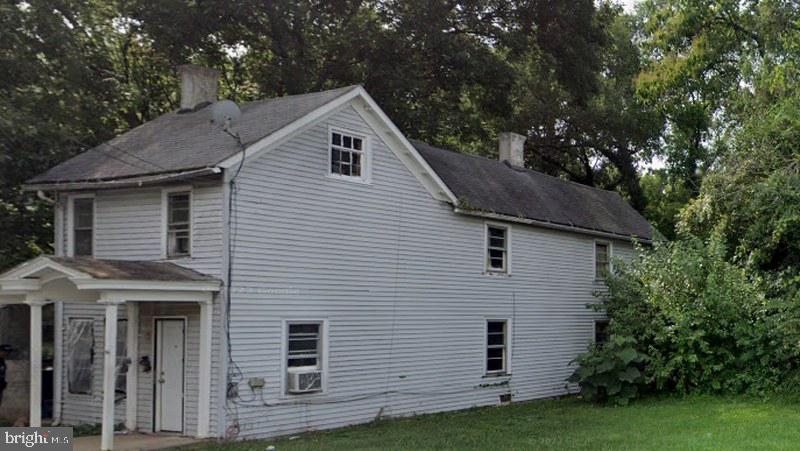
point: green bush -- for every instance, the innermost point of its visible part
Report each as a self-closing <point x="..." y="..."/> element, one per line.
<point x="703" y="324"/>
<point x="610" y="372"/>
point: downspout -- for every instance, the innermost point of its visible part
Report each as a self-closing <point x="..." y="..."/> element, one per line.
<point x="41" y="195"/>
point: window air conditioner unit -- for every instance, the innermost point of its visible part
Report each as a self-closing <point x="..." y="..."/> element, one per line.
<point x="304" y="380"/>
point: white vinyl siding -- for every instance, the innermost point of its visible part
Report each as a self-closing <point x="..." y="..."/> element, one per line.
<point x="399" y="278"/>
<point x="129" y="225"/>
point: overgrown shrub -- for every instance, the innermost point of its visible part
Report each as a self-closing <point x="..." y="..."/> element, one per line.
<point x="704" y="324"/>
<point x="610" y="372"/>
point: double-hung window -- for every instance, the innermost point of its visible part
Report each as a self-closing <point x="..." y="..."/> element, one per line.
<point x="497" y="246"/>
<point x="179" y="224"/>
<point x="82" y="226"/>
<point x="347" y="155"/>
<point x="496" y="346"/>
<point x="80" y="355"/>
<point x="602" y="259"/>
<point x="304" y="356"/>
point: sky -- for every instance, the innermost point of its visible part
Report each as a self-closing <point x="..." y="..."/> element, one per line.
<point x="629" y="4"/>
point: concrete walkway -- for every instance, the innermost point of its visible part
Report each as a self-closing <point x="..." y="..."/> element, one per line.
<point x="134" y="442"/>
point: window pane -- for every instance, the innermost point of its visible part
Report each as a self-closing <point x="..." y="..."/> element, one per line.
<point x="347" y="142"/>
<point x="303" y="344"/>
<point x="494" y="364"/>
<point x="356" y="165"/>
<point x="356" y="143"/>
<point x="497" y="242"/>
<point x="335" y="159"/>
<point x="80" y="355"/>
<point x="496" y="339"/>
<point x="495" y="232"/>
<point x="307" y="328"/>
<point x="495" y="353"/>
<point x="302" y="362"/>
<point x="83" y="242"/>
<point x="337" y="139"/>
<point x="496" y="326"/>
<point x="84" y="213"/>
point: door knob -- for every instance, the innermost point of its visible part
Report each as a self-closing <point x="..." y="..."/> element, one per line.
<point x="161" y="380"/>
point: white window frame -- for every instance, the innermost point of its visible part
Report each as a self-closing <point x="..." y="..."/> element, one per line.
<point x="507" y="357"/>
<point x="366" y="156"/>
<point x="598" y="277"/>
<point x="71" y="222"/>
<point x="486" y="268"/>
<point x="165" y="220"/>
<point x="324" y="352"/>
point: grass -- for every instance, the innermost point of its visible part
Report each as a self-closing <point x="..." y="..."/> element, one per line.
<point x="695" y="423"/>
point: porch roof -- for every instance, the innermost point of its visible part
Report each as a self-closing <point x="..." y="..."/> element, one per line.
<point x="44" y="276"/>
<point x="131" y="270"/>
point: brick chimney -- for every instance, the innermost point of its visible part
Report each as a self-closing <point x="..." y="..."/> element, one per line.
<point x="512" y="146"/>
<point x="198" y="85"/>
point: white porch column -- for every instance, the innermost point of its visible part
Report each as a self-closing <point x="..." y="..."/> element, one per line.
<point x="109" y="365"/>
<point x="35" y="418"/>
<point x="58" y="359"/>
<point x="132" y="344"/>
<point x="204" y="378"/>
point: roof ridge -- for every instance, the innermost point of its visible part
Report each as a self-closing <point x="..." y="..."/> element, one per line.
<point x="295" y="96"/>
<point x="519" y="169"/>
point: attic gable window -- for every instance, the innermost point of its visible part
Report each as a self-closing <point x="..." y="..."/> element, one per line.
<point x="497" y="248"/>
<point x="347" y="155"/>
<point x="178" y="224"/>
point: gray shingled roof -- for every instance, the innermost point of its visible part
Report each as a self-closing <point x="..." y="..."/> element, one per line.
<point x="181" y="141"/>
<point x="131" y="270"/>
<point x="497" y="187"/>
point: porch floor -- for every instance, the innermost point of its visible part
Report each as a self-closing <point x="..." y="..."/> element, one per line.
<point x="134" y="442"/>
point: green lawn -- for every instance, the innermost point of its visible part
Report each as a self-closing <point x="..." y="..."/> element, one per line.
<point x="668" y="424"/>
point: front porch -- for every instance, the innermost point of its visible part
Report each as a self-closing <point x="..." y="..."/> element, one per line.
<point x="148" y="294"/>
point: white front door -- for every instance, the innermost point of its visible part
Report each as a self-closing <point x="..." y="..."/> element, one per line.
<point x="169" y="375"/>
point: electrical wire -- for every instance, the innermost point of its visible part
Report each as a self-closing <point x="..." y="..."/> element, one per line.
<point x="235" y="375"/>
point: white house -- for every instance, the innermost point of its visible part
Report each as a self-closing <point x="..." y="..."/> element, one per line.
<point x="306" y="266"/>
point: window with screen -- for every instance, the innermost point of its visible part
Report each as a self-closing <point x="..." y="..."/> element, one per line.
<point x="496" y="249"/>
<point x="496" y="346"/>
<point x="178" y="224"/>
<point x="602" y="260"/>
<point x="82" y="226"/>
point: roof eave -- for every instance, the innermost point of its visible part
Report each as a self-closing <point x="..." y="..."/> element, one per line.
<point x="126" y="182"/>
<point x="554" y="226"/>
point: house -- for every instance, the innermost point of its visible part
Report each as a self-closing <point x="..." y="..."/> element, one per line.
<point x="306" y="266"/>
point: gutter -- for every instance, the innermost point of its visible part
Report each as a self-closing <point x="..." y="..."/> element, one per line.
<point x="551" y="225"/>
<point x="132" y="182"/>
